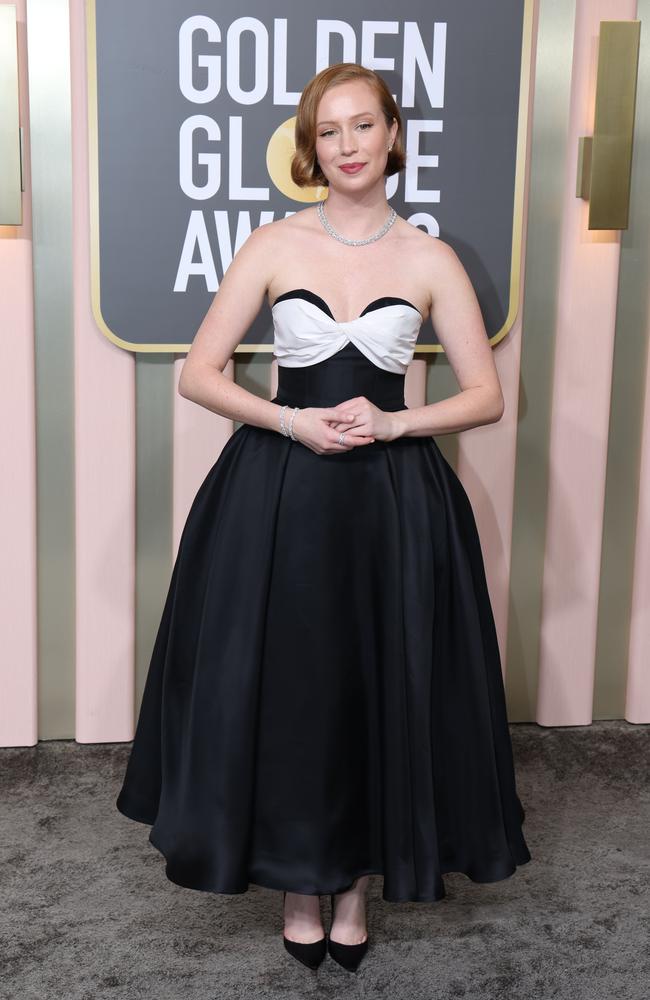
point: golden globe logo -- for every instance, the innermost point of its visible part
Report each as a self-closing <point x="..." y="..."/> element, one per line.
<point x="280" y="149"/>
<point x="192" y="133"/>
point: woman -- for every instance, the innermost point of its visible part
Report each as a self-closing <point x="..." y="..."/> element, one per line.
<point x="325" y="698"/>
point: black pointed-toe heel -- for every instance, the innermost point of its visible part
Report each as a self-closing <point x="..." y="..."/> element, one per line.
<point x="347" y="955"/>
<point x="311" y="954"/>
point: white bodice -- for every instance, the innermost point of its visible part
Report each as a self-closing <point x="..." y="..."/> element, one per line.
<point x="305" y="331"/>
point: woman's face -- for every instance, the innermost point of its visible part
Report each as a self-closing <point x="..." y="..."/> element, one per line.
<point x="351" y="133"/>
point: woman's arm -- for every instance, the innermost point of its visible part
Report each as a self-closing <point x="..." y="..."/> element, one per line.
<point x="232" y="310"/>
<point x="457" y="320"/>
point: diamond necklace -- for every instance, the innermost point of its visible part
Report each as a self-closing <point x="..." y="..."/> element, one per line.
<point x="355" y="243"/>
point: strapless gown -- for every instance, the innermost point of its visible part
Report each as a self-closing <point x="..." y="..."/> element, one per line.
<point x="325" y="697"/>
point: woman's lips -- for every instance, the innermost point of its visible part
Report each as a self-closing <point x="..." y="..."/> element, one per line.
<point x="352" y="168"/>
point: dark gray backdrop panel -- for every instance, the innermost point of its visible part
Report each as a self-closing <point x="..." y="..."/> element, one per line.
<point x="143" y="213"/>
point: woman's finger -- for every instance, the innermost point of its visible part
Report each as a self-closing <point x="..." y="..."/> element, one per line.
<point x="339" y="413"/>
<point x="351" y="440"/>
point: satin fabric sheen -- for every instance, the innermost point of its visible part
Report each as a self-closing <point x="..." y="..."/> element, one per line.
<point x="306" y="332"/>
<point x="325" y="696"/>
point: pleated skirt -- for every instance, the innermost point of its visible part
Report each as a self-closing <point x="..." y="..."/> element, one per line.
<point x="325" y="696"/>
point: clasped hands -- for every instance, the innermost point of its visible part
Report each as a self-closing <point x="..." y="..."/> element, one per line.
<point x="319" y="427"/>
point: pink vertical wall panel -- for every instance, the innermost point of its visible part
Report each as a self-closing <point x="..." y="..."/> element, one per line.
<point x="486" y="467"/>
<point x="18" y="622"/>
<point x="637" y="701"/>
<point x="584" y="343"/>
<point x="105" y="455"/>
<point x="104" y="472"/>
<point x="198" y="437"/>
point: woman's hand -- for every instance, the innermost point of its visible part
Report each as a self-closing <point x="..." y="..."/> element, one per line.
<point x="318" y="428"/>
<point x="378" y="424"/>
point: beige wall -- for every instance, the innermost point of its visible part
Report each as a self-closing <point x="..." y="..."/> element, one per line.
<point x="101" y="457"/>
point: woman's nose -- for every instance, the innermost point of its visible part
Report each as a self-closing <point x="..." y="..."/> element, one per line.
<point x="348" y="142"/>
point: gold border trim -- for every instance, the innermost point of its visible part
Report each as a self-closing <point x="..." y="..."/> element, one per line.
<point x="93" y="178"/>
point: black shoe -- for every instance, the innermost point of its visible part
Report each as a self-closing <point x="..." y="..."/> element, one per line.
<point x="347" y="955"/>
<point x="311" y="954"/>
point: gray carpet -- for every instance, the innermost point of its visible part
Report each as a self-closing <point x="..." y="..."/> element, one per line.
<point x="88" y="912"/>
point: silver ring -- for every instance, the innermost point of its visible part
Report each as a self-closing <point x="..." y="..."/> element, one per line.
<point x="341" y="436"/>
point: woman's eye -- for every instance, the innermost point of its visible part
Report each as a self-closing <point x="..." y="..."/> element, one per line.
<point x="329" y="131"/>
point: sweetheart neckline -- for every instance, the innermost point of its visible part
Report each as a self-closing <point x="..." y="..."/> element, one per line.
<point x="322" y="304"/>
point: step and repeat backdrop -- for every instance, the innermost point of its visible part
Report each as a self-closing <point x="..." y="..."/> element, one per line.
<point x="192" y="114"/>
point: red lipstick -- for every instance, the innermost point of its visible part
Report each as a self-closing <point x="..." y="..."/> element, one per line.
<point x="352" y="168"/>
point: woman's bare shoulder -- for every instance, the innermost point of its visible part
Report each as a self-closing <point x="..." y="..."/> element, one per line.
<point x="441" y="252"/>
<point x="300" y="221"/>
<point x="424" y="241"/>
<point x="281" y="234"/>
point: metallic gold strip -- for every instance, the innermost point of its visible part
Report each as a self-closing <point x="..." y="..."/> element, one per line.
<point x="626" y="416"/>
<point x="253" y="372"/>
<point x="48" y="49"/>
<point x="154" y="379"/>
<point x="11" y="202"/>
<point x="611" y="152"/>
<point x="547" y="180"/>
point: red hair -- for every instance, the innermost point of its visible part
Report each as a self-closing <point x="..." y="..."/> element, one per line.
<point x="305" y="169"/>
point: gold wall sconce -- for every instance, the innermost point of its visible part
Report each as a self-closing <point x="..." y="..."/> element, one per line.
<point x="605" y="159"/>
<point x="11" y="134"/>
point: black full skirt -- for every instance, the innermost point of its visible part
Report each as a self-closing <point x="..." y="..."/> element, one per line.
<point x="325" y="696"/>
